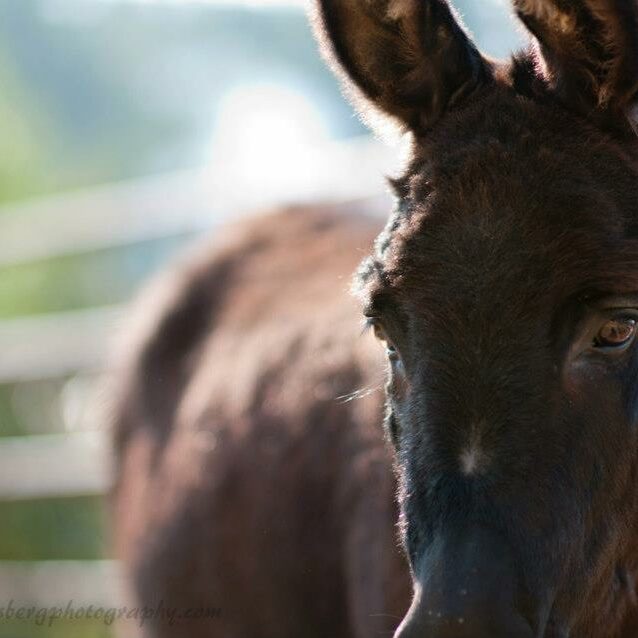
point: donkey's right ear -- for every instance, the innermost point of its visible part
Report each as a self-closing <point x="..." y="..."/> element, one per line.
<point x="409" y="58"/>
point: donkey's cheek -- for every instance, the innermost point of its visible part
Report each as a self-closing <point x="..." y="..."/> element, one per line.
<point x="577" y="380"/>
<point x="602" y="391"/>
<point x="630" y="392"/>
<point x="586" y="378"/>
<point x="398" y="383"/>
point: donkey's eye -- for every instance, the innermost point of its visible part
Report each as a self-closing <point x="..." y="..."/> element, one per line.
<point x="616" y="333"/>
<point x="378" y="330"/>
<point x="382" y="336"/>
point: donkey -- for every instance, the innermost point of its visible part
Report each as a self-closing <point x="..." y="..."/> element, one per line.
<point x="504" y="291"/>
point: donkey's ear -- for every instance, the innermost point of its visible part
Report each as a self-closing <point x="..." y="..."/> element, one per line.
<point x="588" y="53"/>
<point x="409" y="58"/>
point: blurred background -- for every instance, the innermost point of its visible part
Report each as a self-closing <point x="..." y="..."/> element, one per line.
<point x="128" y="128"/>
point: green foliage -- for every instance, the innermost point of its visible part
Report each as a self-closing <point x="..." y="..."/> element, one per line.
<point x="85" y="628"/>
<point x="21" y="137"/>
<point x="52" y="529"/>
<point x="10" y="424"/>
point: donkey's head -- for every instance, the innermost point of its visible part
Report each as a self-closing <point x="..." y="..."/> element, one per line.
<point x="505" y="289"/>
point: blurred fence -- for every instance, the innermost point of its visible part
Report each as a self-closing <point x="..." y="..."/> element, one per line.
<point x="74" y="344"/>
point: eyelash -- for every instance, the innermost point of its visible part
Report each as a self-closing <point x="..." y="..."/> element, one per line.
<point x="368" y="325"/>
<point x="372" y="323"/>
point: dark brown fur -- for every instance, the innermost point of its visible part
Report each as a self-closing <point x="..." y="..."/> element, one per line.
<point x="245" y="484"/>
<point x="250" y="479"/>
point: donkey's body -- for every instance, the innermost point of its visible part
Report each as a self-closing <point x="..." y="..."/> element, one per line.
<point x="505" y="290"/>
<point x="250" y="480"/>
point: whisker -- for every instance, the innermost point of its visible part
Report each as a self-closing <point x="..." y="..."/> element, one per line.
<point x="359" y="394"/>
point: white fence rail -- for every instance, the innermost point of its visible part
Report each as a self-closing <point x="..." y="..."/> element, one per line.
<point x="48" y="346"/>
<point x="54" y="465"/>
<point x="48" y="584"/>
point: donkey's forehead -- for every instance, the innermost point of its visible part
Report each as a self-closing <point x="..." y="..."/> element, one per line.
<point x="483" y="265"/>
<point x="500" y="201"/>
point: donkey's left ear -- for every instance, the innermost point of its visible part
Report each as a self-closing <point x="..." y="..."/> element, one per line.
<point x="588" y="53"/>
<point x="409" y="58"/>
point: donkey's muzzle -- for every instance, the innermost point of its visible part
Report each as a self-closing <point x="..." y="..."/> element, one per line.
<point x="466" y="587"/>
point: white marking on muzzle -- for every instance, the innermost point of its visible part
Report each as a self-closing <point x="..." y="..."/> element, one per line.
<point x="471" y="460"/>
